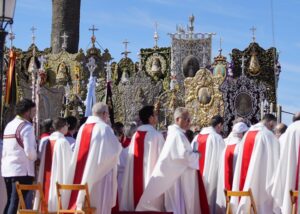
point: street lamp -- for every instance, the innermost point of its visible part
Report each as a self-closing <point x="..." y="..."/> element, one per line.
<point x="7" y="10"/>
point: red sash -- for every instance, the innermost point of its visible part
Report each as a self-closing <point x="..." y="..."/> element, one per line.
<point x="46" y="134"/>
<point x="228" y="168"/>
<point x="247" y="152"/>
<point x="202" y="195"/>
<point x="201" y="140"/>
<point x="47" y="167"/>
<point x="138" y="169"/>
<point x="81" y="160"/>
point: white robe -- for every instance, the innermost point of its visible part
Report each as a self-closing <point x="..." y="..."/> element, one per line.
<point x="100" y="171"/>
<point x="260" y="174"/>
<point x="285" y="177"/>
<point x="232" y="139"/>
<point x="153" y="144"/>
<point x="61" y="158"/>
<point x="2" y="185"/>
<point x="214" y="148"/>
<point x="174" y="176"/>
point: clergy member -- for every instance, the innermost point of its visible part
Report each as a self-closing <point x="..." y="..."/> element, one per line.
<point x="256" y="163"/>
<point x="227" y="163"/>
<point x="55" y="158"/>
<point x="175" y="176"/>
<point x="287" y="173"/>
<point x="143" y="152"/>
<point x="209" y="143"/>
<point x="94" y="162"/>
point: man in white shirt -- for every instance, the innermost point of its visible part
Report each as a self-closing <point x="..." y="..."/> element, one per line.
<point x="144" y="149"/>
<point x="19" y="153"/>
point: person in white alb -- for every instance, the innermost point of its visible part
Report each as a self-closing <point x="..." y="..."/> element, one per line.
<point x="73" y="123"/>
<point x="94" y="162"/>
<point x="55" y="160"/>
<point x="144" y="149"/>
<point x="175" y="174"/>
<point x="287" y="174"/>
<point x="210" y="145"/>
<point x="19" y="153"/>
<point x="227" y="163"/>
<point x="255" y="166"/>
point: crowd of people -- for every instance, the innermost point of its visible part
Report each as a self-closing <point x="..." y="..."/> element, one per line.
<point x="139" y="168"/>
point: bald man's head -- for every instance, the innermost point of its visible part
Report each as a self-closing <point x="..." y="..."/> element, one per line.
<point x="296" y="117"/>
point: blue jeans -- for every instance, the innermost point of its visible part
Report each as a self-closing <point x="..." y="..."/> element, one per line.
<point x="12" y="195"/>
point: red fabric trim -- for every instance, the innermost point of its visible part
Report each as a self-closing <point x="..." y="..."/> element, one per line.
<point x="228" y="168"/>
<point x="68" y="135"/>
<point x="247" y="152"/>
<point x="126" y="141"/>
<point x="201" y="140"/>
<point x="81" y="160"/>
<point x="202" y="195"/>
<point x="46" y="134"/>
<point x="138" y="168"/>
<point x="47" y="167"/>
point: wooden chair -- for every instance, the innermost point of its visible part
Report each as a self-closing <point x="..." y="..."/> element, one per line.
<point x="87" y="209"/>
<point x="42" y="205"/>
<point x="294" y="195"/>
<point x="248" y="193"/>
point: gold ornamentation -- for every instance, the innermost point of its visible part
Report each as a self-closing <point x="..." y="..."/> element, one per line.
<point x="202" y="96"/>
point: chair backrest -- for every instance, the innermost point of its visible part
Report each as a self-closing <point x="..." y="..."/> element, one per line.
<point x="35" y="187"/>
<point x="294" y="195"/>
<point x="72" y="187"/>
<point x="229" y="194"/>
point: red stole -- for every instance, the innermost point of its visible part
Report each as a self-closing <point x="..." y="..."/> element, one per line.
<point x="201" y="140"/>
<point x="81" y="160"/>
<point x="46" y="134"/>
<point x="228" y="168"/>
<point x="125" y="142"/>
<point x="47" y="167"/>
<point x="247" y="152"/>
<point x="138" y="168"/>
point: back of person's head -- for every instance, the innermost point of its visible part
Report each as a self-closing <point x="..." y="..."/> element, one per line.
<point x="72" y="121"/>
<point x="130" y="129"/>
<point x="59" y="123"/>
<point x="99" y="108"/>
<point x="240" y="128"/>
<point x="118" y="128"/>
<point x="280" y="129"/>
<point x="47" y="126"/>
<point x="24" y="106"/>
<point x="145" y="113"/>
<point x="238" y="120"/>
<point x="269" y="117"/>
<point x="269" y="120"/>
<point x="296" y="117"/>
<point x="216" y="120"/>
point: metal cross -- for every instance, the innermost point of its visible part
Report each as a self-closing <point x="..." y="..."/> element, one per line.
<point x="243" y="64"/>
<point x="156" y="37"/>
<point x="126" y="52"/>
<point x="33" y="29"/>
<point x="253" y="29"/>
<point x="93" y="29"/>
<point x="65" y="38"/>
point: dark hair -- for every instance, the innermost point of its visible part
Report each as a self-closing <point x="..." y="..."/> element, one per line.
<point x="118" y="129"/>
<point x="72" y="121"/>
<point x="216" y="120"/>
<point x="145" y="113"/>
<point x="296" y="117"/>
<point x="59" y="123"/>
<point x="189" y="135"/>
<point x="46" y="125"/>
<point x="281" y="128"/>
<point x="269" y="117"/>
<point x="23" y="106"/>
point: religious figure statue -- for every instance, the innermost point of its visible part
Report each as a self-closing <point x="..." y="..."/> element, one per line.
<point x="62" y="74"/>
<point x="156" y="67"/>
<point x="204" y="95"/>
<point x="190" y="66"/>
<point x="254" y="67"/>
<point x="125" y="76"/>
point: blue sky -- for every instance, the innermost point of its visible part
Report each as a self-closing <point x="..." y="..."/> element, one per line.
<point x="134" y="20"/>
